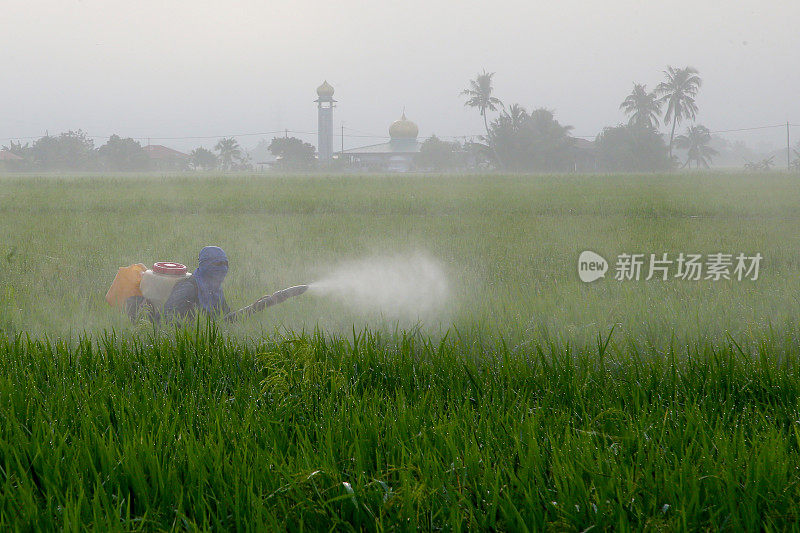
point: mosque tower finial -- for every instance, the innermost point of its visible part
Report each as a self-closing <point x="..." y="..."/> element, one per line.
<point x="325" y="121"/>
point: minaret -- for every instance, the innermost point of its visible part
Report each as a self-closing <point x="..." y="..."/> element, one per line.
<point x="325" y="121"/>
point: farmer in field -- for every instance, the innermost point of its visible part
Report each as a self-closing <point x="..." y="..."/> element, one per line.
<point x="202" y="291"/>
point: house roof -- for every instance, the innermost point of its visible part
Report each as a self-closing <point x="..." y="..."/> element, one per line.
<point x="584" y="146"/>
<point x="158" y="151"/>
<point x="6" y="155"/>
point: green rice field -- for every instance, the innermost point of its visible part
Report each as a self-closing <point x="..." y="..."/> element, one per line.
<point x="523" y="399"/>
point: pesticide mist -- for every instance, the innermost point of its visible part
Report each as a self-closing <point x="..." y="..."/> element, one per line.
<point x="402" y="287"/>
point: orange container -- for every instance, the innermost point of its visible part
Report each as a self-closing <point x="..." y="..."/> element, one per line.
<point x="125" y="284"/>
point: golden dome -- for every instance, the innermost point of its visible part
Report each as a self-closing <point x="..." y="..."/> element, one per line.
<point x="325" y="90"/>
<point x="403" y="129"/>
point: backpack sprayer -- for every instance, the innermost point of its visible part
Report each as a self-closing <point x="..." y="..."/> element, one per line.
<point x="153" y="284"/>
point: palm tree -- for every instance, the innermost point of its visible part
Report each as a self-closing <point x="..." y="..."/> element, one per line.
<point x="479" y="95"/>
<point x="229" y="152"/>
<point x="517" y="115"/>
<point x="643" y="107"/>
<point x="696" y="142"/>
<point x="678" y="91"/>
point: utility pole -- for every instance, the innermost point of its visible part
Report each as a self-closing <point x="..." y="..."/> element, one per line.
<point x="788" y="149"/>
<point x="286" y="133"/>
<point x="342" y="138"/>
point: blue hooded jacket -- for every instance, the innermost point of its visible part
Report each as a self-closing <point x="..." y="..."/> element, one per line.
<point x="213" y="265"/>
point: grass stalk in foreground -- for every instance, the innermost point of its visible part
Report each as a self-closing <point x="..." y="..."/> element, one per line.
<point x="196" y="430"/>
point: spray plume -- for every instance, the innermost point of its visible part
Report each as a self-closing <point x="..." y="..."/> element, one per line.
<point x="408" y="287"/>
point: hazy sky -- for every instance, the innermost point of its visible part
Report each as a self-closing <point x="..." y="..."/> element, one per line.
<point x="182" y="68"/>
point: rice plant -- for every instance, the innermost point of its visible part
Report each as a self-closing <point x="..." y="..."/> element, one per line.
<point x="535" y="402"/>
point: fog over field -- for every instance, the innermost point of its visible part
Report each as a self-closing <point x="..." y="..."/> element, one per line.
<point x="200" y="68"/>
<point x="244" y="287"/>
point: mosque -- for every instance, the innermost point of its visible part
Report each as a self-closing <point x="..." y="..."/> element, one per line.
<point x="397" y="155"/>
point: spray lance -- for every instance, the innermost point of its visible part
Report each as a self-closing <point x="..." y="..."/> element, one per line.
<point x="267" y="301"/>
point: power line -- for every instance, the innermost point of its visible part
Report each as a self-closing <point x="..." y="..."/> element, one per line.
<point x="150" y="137"/>
<point x="357" y="134"/>
<point x="771" y="126"/>
<point x="362" y="136"/>
<point x="204" y="136"/>
<point x="364" y="133"/>
<point x="751" y="129"/>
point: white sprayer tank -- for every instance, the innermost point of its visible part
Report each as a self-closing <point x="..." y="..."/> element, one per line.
<point x="157" y="283"/>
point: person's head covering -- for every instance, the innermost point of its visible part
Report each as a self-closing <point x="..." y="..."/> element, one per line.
<point x="213" y="265"/>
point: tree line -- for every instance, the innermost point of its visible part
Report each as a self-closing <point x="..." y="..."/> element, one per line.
<point x="521" y="140"/>
<point x="516" y="139"/>
<point x="75" y="151"/>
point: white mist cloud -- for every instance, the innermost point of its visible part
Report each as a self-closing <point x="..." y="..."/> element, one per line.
<point x="405" y="287"/>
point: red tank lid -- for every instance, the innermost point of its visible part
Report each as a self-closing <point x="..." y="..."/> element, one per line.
<point x="170" y="269"/>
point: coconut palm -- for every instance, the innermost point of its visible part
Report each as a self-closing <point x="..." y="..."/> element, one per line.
<point x="643" y="107"/>
<point x="679" y="91"/>
<point x="696" y="143"/>
<point x="533" y="141"/>
<point x="229" y="151"/>
<point x="518" y="115"/>
<point x="479" y="95"/>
